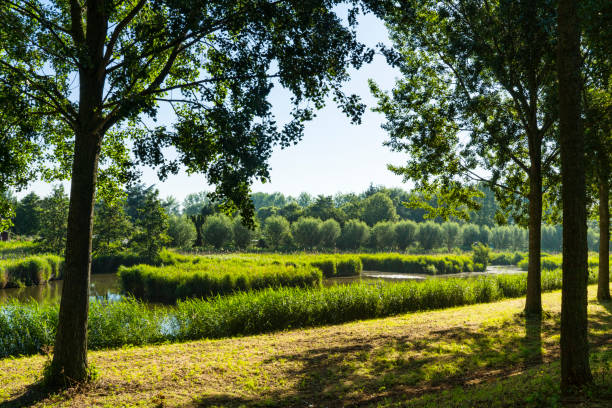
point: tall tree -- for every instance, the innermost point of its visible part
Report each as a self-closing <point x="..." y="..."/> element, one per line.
<point x="575" y="369"/>
<point x="213" y="62"/>
<point x="476" y="105"/>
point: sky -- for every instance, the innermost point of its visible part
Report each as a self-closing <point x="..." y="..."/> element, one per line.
<point x="333" y="156"/>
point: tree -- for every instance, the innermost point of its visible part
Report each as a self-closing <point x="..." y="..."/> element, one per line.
<point x="53" y="220"/>
<point x="477" y="99"/>
<point x="306" y="232"/>
<point x="198" y="221"/>
<point x="330" y="232"/>
<point x="151" y="226"/>
<point x="265" y="212"/>
<point x="575" y="368"/>
<point x="429" y="235"/>
<point x="597" y="124"/>
<point x="470" y="234"/>
<point x="355" y="234"/>
<point x="243" y="235"/>
<point x="171" y="205"/>
<point x="323" y="208"/>
<point x="450" y="234"/>
<point x="383" y="235"/>
<point x="304" y="199"/>
<point x="378" y="207"/>
<point x="405" y="233"/>
<point x="194" y="202"/>
<point x="181" y="231"/>
<point x="214" y="62"/>
<point x="292" y="212"/>
<point x="112" y="228"/>
<point x="277" y="231"/>
<point x="27" y="215"/>
<point x="217" y="230"/>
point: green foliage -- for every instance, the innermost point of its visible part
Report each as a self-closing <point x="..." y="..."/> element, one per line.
<point x="330" y="233"/>
<point x="480" y="255"/>
<point x="54" y="220"/>
<point x="217" y="230"/>
<point x="307" y="232"/>
<point x="27" y="216"/>
<point x="277" y="231"/>
<point x="181" y="231"/>
<point x="151" y="227"/>
<point x="354" y="234"/>
<point x="242" y="234"/>
<point x="470" y="234"/>
<point x="377" y="208"/>
<point x="112" y="228"/>
<point x="383" y="235"/>
<point x="429" y="235"/>
<point x="405" y="234"/>
<point x="292" y="212"/>
<point x="451" y="234"/>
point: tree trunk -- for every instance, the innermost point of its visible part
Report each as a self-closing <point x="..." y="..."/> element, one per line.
<point x="70" y="353"/>
<point x="69" y="363"/>
<point x="533" y="300"/>
<point x="603" y="287"/>
<point x="575" y="369"/>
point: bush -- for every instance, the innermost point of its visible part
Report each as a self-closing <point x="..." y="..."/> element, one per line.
<point x="480" y="255"/>
<point x="405" y="234"/>
<point x="450" y="234"/>
<point x="217" y="230"/>
<point x="181" y="231"/>
<point x="429" y="235"/>
<point x="330" y="232"/>
<point x="277" y="231"/>
<point x="307" y="232"/>
<point x="243" y="235"/>
<point x="470" y="234"/>
<point x="354" y="234"/>
<point x="383" y="235"/>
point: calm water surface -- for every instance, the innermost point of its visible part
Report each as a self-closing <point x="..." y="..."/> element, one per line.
<point x="106" y="286"/>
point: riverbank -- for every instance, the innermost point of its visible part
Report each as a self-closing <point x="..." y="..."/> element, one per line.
<point x="483" y="355"/>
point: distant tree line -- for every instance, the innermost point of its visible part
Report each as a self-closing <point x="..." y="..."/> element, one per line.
<point x="376" y="219"/>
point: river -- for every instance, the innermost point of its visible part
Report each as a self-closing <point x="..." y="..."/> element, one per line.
<point x="106" y="286"/>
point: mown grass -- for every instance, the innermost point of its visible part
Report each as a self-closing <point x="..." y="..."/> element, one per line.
<point x="484" y="355"/>
<point x="29" y="328"/>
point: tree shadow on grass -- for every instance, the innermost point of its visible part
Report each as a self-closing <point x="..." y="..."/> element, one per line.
<point x="33" y="394"/>
<point x="382" y="368"/>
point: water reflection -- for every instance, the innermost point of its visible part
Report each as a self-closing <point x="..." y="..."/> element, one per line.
<point x="106" y="286"/>
<point x="103" y="286"/>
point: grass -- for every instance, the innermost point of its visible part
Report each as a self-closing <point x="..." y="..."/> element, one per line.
<point x="552" y="262"/>
<point x="484" y="355"/>
<point x="28" y="271"/>
<point x="29" y="328"/>
<point x="420" y="264"/>
<point x="203" y="280"/>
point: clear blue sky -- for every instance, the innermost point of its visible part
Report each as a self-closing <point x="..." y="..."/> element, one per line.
<point x="334" y="156"/>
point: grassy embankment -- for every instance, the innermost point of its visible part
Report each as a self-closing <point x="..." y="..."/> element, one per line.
<point x="483" y="355"/>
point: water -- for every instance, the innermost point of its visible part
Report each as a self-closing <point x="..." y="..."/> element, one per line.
<point x="402" y="277"/>
<point x="106" y="286"/>
<point x="103" y="286"/>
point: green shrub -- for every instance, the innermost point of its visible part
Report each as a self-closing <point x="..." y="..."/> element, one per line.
<point x="354" y="234"/>
<point x="217" y="230"/>
<point x="307" y="232"/>
<point x="418" y="264"/>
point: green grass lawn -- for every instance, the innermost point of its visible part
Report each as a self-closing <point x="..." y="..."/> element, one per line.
<point x="485" y="355"/>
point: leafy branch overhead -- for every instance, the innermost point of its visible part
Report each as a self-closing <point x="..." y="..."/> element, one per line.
<point x="213" y="63"/>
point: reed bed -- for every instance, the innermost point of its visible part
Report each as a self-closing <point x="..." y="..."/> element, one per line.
<point x="30" y="328"/>
<point x="420" y="264"/>
<point x="31" y="270"/>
